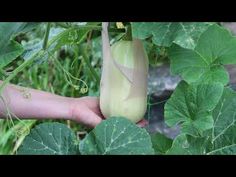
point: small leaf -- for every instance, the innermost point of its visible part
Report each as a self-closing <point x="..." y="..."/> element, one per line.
<point x="164" y="34"/>
<point x="117" y="135"/>
<point x="215" y="47"/>
<point x="160" y="143"/>
<point x="192" y="105"/>
<point x="49" y="139"/>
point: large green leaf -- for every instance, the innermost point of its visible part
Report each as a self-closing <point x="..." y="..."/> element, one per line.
<point x="49" y="139"/>
<point x="192" y="105"/>
<point x="185" y="34"/>
<point x="215" y="47"/>
<point x="221" y="139"/>
<point x="224" y="130"/>
<point x="117" y="135"/>
<point x="160" y="143"/>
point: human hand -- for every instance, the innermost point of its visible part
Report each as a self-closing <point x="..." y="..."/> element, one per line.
<point x="43" y="105"/>
<point x="86" y="110"/>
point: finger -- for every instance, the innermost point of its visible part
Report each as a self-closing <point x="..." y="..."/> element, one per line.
<point x="96" y="106"/>
<point x="99" y="113"/>
<point x="92" y="119"/>
<point x="142" y="123"/>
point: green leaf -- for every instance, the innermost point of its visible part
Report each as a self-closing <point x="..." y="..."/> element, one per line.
<point x="188" y="145"/>
<point x="49" y="139"/>
<point x="9" y="53"/>
<point x="192" y="105"/>
<point x="58" y="38"/>
<point x="221" y="139"/>
<point x="215" y="47"/>
<point x="10" y="49"/>
<point x="10" y="29"/>
<point x="160" y="143"/>
<point x="117" y="135"/>
<point x="184" y="34"/>
<point x="224" y="129"/>
<point x="33" y="47"/>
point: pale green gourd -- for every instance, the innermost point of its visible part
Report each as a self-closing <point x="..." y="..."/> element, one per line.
<point x="123" y="89"/>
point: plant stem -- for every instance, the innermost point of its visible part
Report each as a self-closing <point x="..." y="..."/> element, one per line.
<point x="45" y="41"/>
<point x="16" y="71"/>
<point x="95" y="75"/>
<point x="3" y="72"/>
<point x="128" y="35"/>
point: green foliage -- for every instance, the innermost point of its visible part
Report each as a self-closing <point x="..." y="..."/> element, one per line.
<point x="10" y="49"/>
<point x="161" y="143"/>
<point x="12" y="134"/>
<point x="115" y="135"/>
<point x="188" y="145"/>
<point x="188" y="105"/>
<point x="224" y="129"/>
<point x="215" y="48"/>
<point x="70" y="65"/>
<point x="220" y="139"/>
<point x="49" y="139"/>
<point x="56" y="73"/>
<point x="164" y="34"/>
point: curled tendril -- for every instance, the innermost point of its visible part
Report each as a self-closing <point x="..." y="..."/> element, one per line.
<point x="69" y="77"/>
<point x="73" y="37"/>
<point x="19" y="131"/>
<point x="83" y="90"/>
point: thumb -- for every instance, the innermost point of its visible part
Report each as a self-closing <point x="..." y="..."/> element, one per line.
<point x="92" y="119"/>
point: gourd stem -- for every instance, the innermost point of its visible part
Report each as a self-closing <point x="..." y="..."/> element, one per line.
<point x="128" y="35"/>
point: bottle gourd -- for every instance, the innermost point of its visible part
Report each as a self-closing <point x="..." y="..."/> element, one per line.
<point x="123" y="86"/>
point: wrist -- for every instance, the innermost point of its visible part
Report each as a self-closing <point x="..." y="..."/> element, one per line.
<point x="61" y="108"/>
<point x="73" y="109"/>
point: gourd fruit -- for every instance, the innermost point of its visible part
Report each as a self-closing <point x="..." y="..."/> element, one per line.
<point x="123" y="86"/>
